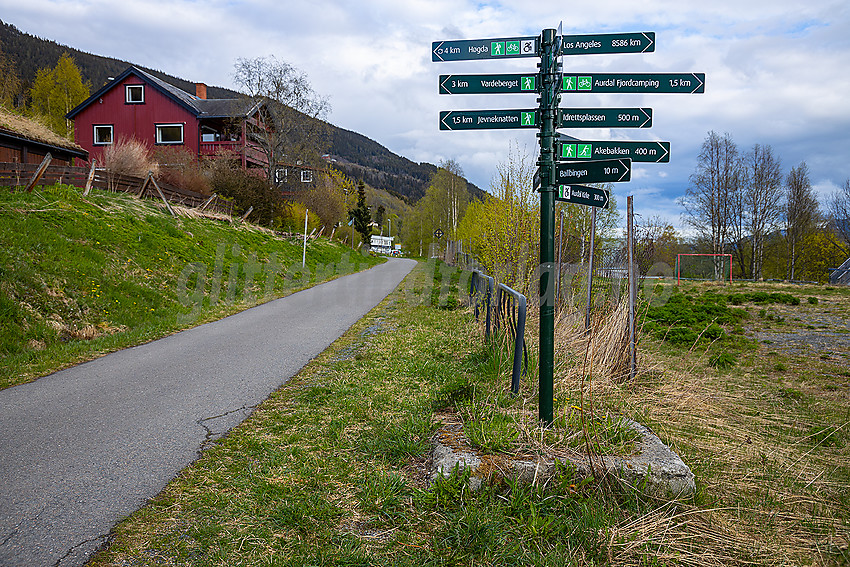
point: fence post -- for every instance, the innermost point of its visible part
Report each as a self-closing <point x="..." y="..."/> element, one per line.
<point x="630" y="223"/>
<point x="590" y="269"/>
<point x="90" y="179"/>
<point x="159" y="191"/>
<point x="39" y="172"/>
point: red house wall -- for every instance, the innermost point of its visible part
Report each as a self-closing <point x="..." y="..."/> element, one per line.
<point x="137" y="120"/>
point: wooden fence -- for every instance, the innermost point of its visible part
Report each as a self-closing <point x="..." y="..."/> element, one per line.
<point x="19" y="174"/>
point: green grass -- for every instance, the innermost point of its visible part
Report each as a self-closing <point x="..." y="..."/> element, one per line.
<point x="331" y="469"/>
<point x="80" y="277"/>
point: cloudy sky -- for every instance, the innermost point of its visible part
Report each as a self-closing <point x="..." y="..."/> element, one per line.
<point x="776" y="70"/>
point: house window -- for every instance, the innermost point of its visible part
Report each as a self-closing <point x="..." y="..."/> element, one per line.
<point x="103" y="135"/>
<point x="169" y="133"/>
<point x="306" y="176"/>
<point x="280" y="175"/>
<point x="134" y="94"/>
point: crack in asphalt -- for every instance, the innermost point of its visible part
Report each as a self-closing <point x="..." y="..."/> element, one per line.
<point x="208" y="438"/>
<point x="104" y="537"/>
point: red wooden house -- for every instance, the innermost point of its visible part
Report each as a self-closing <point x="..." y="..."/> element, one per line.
<point x="138" y="104"/>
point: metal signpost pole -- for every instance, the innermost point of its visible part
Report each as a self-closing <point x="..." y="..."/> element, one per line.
<point x="549" y="100"/>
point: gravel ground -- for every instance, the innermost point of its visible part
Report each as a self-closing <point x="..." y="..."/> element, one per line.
<point x="821" y="330"/>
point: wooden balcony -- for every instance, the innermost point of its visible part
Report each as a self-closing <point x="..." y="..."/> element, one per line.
<point x="250" y="152"/>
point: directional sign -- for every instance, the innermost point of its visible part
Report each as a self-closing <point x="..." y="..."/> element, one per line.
<point x="689" y="83"/>
<point x="612" y="170"/>
<point x="488" y="119"/>
<point x="583" y="195"/>
<point x="605" y="118"/>
<point x="647" y="152"/>
<point x="499" y="48"/>
<point x="488" y="84"/>
<point x="608" y="43"/>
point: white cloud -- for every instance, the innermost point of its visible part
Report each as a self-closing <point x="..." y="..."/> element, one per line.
<point x="775" y="68"/>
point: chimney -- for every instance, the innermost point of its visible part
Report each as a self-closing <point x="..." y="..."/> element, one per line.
<point x="200" y="90"/>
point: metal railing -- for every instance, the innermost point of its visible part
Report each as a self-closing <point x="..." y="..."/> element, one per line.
<point x="511" y="309"/>
<point x="481" y="287"/>
<point x="510" y="313"/>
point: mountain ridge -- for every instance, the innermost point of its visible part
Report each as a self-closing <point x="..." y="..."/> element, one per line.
<point x="356" y="155"/>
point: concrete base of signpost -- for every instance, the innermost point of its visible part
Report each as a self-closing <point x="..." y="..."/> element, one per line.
<point x="654" y="469"/>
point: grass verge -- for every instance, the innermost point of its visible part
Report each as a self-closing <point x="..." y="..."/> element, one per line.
<point x="331" y="469"/>
<point x="82" y="276"/>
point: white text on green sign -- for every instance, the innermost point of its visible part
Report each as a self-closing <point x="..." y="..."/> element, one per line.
<point x="487" y="119"/>
<point x="641" y="42"/>
<point x="583" y="195"/>
<point x="646" y="152"/>
<point x="488" y="84"/>
<point x="468" y="49"/>
<point x="688" y="83"/>
<point x="604" y="118"/>
<point x="604" y="171"/>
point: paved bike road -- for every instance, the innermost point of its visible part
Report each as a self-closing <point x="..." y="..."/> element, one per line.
<point x="84" y="447"/>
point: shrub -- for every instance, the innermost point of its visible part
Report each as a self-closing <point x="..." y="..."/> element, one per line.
<point x="180" y="168"/>
<point x="248" y="189"/>
<point x="812" y="300"/>
<point x="129" y="156"/>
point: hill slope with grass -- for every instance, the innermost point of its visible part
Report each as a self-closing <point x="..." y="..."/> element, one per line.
<point x="83" y="276"/>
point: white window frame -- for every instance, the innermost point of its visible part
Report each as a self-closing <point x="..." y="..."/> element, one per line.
<point x="128" y="99"/>
<point x="306" y="176"/>
<point x="168" y="143"/>
<point x="95" y="137"/>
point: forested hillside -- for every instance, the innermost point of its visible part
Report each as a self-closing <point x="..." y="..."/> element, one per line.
<point x="356" y="155"/>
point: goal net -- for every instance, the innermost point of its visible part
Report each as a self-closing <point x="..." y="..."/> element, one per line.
<point x="717" y="267"/>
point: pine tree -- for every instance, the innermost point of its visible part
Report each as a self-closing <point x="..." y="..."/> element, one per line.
<point x="361" y="215"/>
<point x="55" y="92"/>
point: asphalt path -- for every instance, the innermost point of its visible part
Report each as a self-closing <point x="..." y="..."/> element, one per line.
<point x="83" y="448"/>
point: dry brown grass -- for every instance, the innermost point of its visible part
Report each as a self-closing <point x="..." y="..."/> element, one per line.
<point x="129" y="156"/>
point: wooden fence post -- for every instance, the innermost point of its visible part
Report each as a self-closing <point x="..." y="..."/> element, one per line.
<point x="161" y="196"/>
<point x="248" y="212"/>
<point x="91" y="178"/>
<point x="39" y="172"/>
<point x="207" y="202"/>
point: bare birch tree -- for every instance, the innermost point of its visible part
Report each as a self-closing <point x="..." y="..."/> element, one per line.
<point x="290" y="128"/>
<point x="839" y="211"/>
<point x="707" y="201"/>
<point x="801" y="211"/>
<point x="762" y="201"/>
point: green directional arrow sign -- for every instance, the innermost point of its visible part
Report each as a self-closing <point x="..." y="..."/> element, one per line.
<point x="499" y="48"/>
<point x="488" y="84"/>
<point x="688" y="83"/>
<point x="488" y="119"/>
<point x="584" y="195"/>
<point x="612" y="170"/>
<point x="642" y="42"/>
<point x="605" y="118"/>
<point x="647" y="152"/>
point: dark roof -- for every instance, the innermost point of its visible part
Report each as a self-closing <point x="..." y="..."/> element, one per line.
<point x="200" y="107"/>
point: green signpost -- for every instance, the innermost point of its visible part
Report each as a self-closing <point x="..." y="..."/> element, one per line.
<point x="469" y="49"/>
<point x="607" y="43"/>
<point x="562" y="164"/>
<point x="488" y="84"/>
<point x="584" y="195"/>
<point x="603" y="171"/>
<point x="647" y="152"/>
<point x="488" y="119"/>
<point x="604" y="118"/>
<point x="688" y="83"/>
